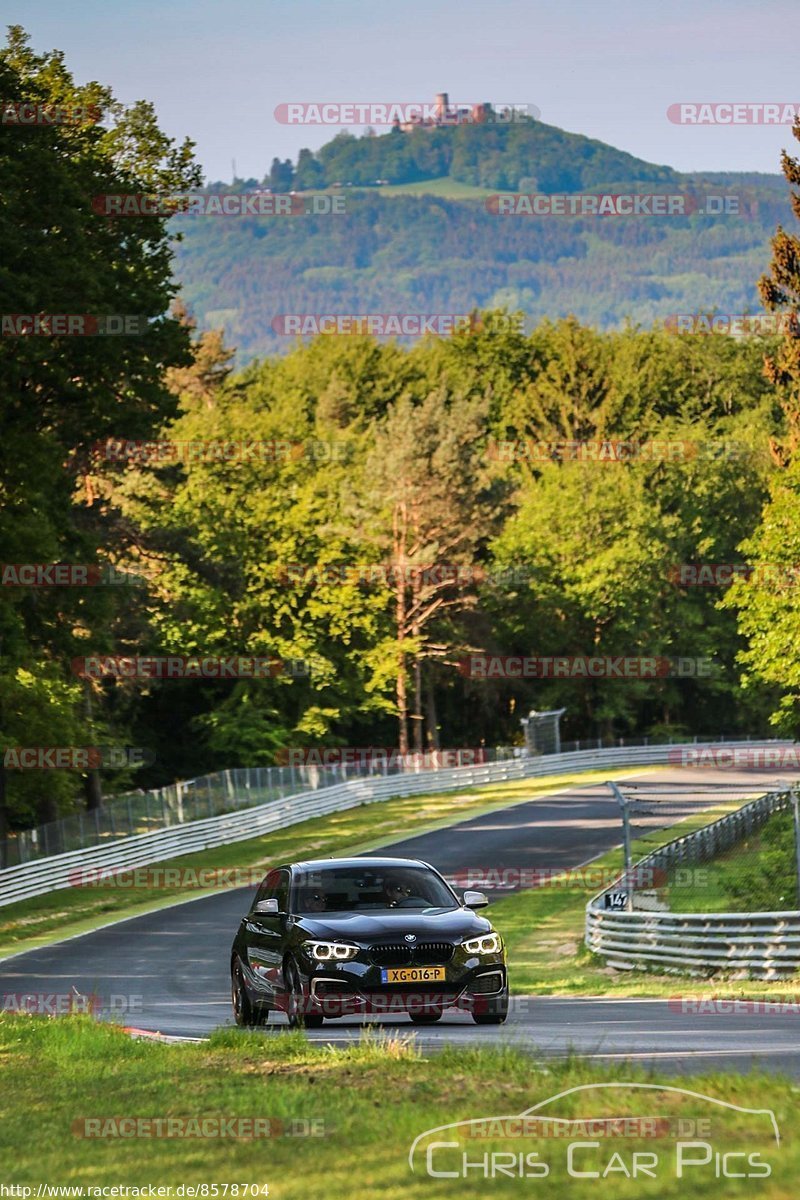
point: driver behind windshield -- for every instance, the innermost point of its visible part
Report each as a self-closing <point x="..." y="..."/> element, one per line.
<point x="312" y="901"/>
<point x="399" y="892"/>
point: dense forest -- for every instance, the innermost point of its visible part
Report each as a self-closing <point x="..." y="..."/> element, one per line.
<point x="377" y="512"/>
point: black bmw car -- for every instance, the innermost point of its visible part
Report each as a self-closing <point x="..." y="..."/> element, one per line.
<point x="352" y="936"/>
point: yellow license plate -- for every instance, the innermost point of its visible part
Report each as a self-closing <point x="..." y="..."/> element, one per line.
<point x="413" y="975"/>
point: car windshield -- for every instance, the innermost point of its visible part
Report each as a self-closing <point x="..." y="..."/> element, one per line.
<point x="360" y="889"/>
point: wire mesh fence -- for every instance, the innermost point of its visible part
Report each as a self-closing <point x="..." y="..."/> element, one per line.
<point x="215" y="794"/>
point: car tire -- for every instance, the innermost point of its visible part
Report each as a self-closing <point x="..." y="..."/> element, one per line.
<point x="297" y="1018"/>
<point x="498" y="1013"/>
<point x="245" y="1013"/>
<point x="240" y="1001"/>
<point x="426" y="1018"/>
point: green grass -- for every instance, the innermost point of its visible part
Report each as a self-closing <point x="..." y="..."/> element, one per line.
<point x="70" y="911"/>
<point x="446" y="188"/>
<point x="759" y="874"/>
<point x="367" y="1103"/>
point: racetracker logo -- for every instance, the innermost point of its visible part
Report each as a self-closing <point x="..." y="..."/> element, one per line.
<point x="60" y="1004"/>
<point x="26" y="114"/>
<point x="371" y="324"/>
<point x="610" y="451"/>
<point x="176" y="666"/>
<point x="735" y="324"/>
<point x="220" y="204"/>
<point x="422" y="575"/>
<point x="167" y="878"/>
<point x="496" y="878"/>
<point x="721" y="1006"/>
<point x="777" y="575"/>
<point x="213" y="450"/>
<point x="732" y="114"/>
<point x="72" y="325"/>
<point x="739" y="758"/>
<point x="616" y="667"/>
<point x="403" y="112"/>
<point x="592" y="204"/>
<point x="76" y="758"/>
<point x="379" y="756"/>
<point x="43" y="575"/>
<point x="214" y="1128"/>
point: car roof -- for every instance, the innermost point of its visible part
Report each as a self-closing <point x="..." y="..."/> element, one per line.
<point x="364" y="861"/>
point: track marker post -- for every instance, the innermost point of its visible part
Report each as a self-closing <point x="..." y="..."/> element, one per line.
<point x="622" y="801"/>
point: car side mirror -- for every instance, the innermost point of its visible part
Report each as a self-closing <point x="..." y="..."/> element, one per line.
<point x="267" y="908"/>
<point x="475" y="900"/>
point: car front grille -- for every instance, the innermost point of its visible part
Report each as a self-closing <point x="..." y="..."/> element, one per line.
<point x="405" y="954"/>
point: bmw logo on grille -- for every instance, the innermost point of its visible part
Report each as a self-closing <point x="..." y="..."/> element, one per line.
<point x="411" y="937"/>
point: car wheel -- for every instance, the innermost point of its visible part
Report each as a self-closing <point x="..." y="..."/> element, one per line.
<point x="498" y="1011"/>
<point x="245" y="1013"/>
<point x="298" y="1019"/>
<point x="426" y="1018"/>
<point x="242" y="1008"/>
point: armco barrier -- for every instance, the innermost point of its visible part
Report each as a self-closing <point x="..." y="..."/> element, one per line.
<point x="764" y="944"/>
<point x="50" y="874"/>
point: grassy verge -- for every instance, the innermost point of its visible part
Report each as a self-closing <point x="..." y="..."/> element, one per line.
<point x="544" y="928"/>
<point x="757" y="875"/>
<point x="366" y="1104"/>
<point x="70" y="911"/>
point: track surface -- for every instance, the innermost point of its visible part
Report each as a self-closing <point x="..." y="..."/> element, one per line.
<point x="169" y="969"/>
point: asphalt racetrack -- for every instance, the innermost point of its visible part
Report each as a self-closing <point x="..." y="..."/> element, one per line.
<point x="171" y="966"/>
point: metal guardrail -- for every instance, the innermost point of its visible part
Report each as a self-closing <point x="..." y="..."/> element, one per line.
<point x="120" y="854"/>
<point x="765" y="944"/>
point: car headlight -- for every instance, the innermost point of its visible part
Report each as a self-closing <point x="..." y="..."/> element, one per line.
<point x="331" y="951"/>
<point x="488" y="943"/>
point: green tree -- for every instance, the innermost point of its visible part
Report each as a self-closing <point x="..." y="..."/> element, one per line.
<point x="59" y="395"/>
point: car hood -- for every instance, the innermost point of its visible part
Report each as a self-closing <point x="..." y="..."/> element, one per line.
<point x="427" y="924"/>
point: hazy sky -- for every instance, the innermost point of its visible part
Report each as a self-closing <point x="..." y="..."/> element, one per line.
<point x="216" y="70"/>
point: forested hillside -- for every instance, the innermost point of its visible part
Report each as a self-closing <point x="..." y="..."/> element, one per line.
<point x="426" y="254"/>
